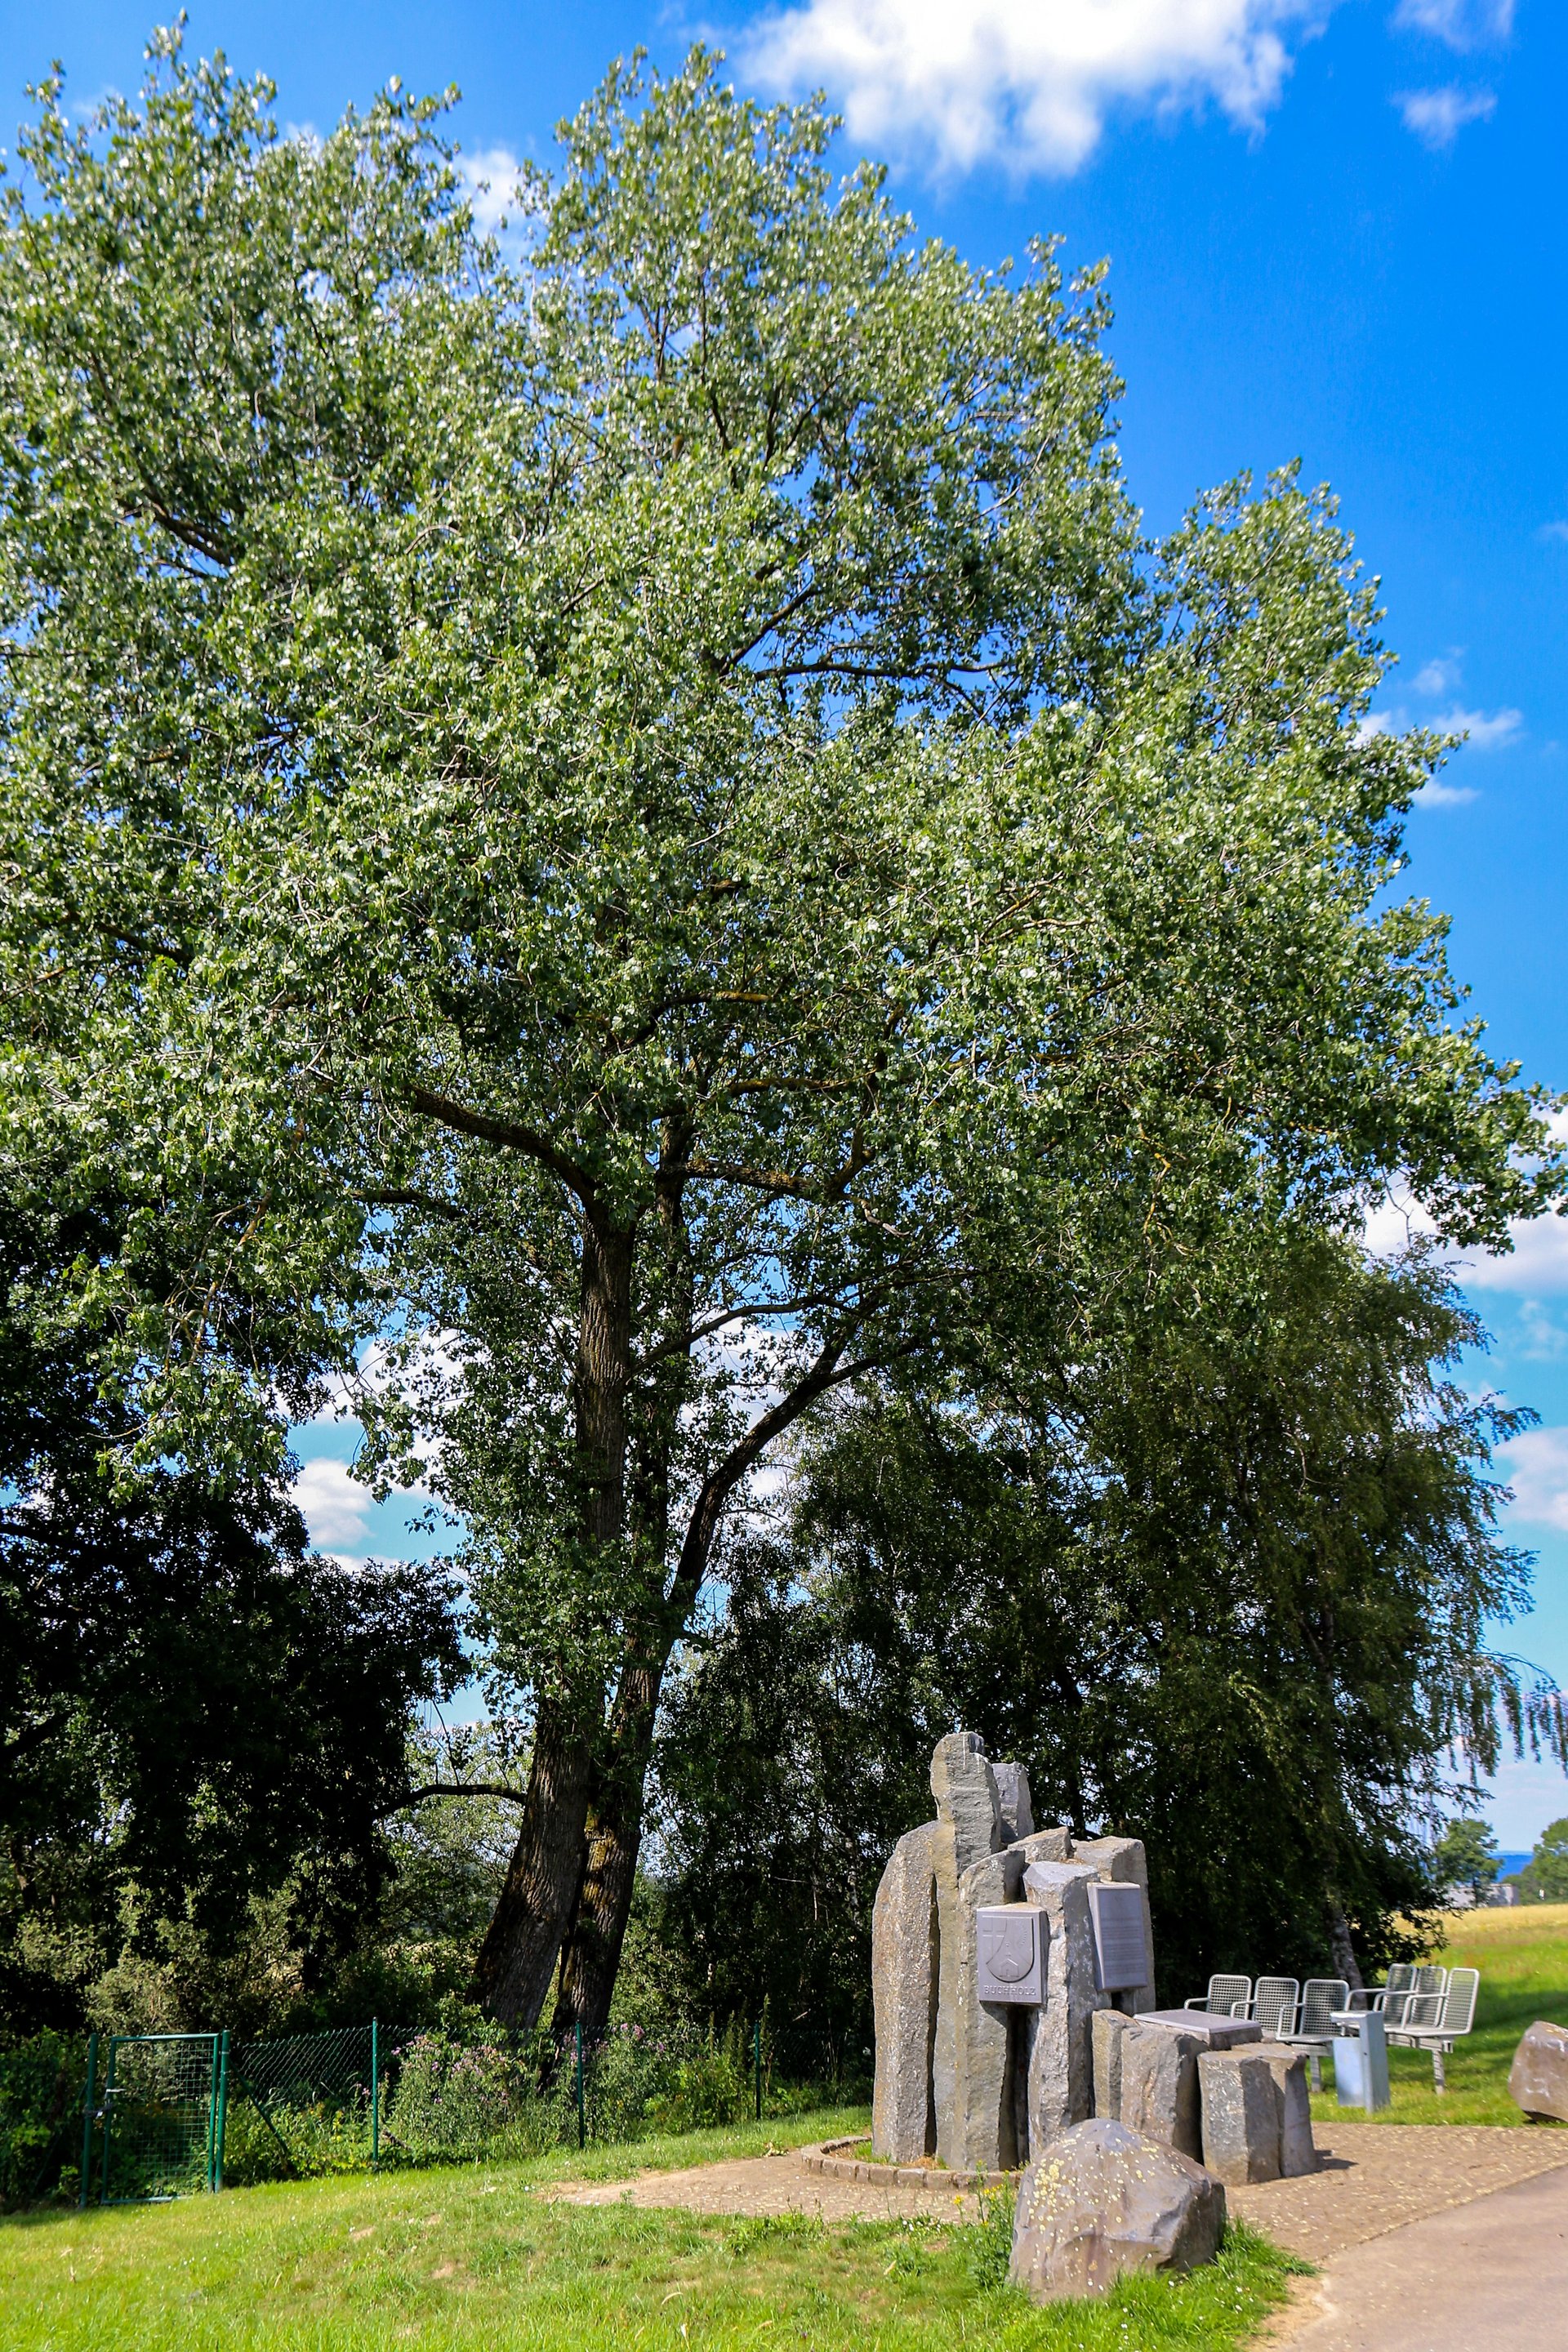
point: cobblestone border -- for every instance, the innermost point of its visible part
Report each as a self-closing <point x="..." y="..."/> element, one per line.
<point x="830" y="2155"/>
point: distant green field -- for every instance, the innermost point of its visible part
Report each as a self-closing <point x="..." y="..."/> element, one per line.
<point x="477" y="2260"/>
<point x="1522" y="1955"/>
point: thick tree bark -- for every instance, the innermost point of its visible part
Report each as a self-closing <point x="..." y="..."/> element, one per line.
<point x="517" y="1959"/>
<point x="1341" y="1946"/>
<point x="591" y="1957"/>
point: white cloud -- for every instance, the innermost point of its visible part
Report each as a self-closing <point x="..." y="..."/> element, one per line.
<point x="1437" y="794"/>
<point x="489" y="180"/>
<point x="1536" y="1466"/>
<point x="335" y="1510"/>
<point x="1537" y="1266"/>
<point x="1462" y="23"/>
<point x="1438" y="116"/>
<point x="1029" y="83"/>
<point x="1439" y="676"/>
<point x="1484" y="730"/>
<point x="1554" y="530"/>
<point x="1526" y="1793"/>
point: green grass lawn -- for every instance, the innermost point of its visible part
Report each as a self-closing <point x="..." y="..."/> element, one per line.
<point x="477" y="2259"/>
<point x="1522" y="1955"/>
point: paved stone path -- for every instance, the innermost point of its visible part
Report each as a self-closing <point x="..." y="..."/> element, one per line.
<point x="1373" y="2178"/>
<point x="1492" y="2277"/>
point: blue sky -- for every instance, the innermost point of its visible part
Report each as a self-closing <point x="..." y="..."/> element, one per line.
<point x="1335" y="229"/>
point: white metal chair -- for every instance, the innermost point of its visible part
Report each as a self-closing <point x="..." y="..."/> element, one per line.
<point x="1221" y="1999"/>
<point x="1436" y="2020"/>
<point x="1399" y="1981"/>
<point x="1273" y="2004"/>
<point x="1311" y="2027"/>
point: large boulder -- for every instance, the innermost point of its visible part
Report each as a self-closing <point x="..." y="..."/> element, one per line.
<point x="1538" y="2079"/>
<point x="1104" y="2199"/>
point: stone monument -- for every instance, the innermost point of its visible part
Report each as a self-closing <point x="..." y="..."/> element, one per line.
<point x="994" y="1945"/>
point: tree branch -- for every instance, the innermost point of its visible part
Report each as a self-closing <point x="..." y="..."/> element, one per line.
<point x="508" y="1133"/>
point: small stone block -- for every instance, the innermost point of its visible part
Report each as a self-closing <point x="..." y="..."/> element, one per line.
<point x="1009" y="1956"/>
<point x="1241" y="2117"/>
<point x="1109" y="2025"/>
<point x="1298" y="2150"/>
<point x="1160" y="2085"/>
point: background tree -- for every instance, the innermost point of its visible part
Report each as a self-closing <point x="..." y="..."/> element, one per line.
<point x="1466" y="1855"/>
<point x="642" y="831"/>
<point x="1544" y="1878"/>
<point x="1240" y="1575"/>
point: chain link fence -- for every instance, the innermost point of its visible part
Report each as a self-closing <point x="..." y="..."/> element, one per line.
<point x="163" y="2115"/>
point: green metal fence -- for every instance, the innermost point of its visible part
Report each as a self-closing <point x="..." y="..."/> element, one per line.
<point x="154" y="2122"/>
<point x="167" y="2115"/>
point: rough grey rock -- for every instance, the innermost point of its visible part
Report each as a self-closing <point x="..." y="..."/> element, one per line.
<point x="1298" y="2150"/>
<point x="1106" y="2028"/>
<point x="1102" y="2200"/>
<point x="1013" y="1795"/>
<point x="1538" y="2079"/>
<point x="1160" y="2086"/>
<point x="1052" y="1845"/>
<point x="971" y="2073"/>
<point x="964" y="1787"/>
<point x="903" y="1997"/>
<point x="1057" y="2061"/>
<point x="1124" y="1863"/>
<point x="1241" y="2121"/>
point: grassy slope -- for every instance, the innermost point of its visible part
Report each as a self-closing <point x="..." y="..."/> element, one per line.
<point x="474" y="2259"/>
<point x="1522" y="1955"/>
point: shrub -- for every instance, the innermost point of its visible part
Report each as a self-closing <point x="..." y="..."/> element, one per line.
<point x="41" y="2083"/>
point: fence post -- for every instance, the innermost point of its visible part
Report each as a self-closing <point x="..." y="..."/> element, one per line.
<point x="216" y="2175"/>
<point x="757" y="2064"/>
<point x="87" y="2117"/>
<point x="582" y="2127"/>
<point x="374" y="2094"/>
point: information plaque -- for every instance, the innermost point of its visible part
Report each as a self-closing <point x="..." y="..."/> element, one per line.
<point x="1010" y="1949"/>
<point x="1121" y="1947"/>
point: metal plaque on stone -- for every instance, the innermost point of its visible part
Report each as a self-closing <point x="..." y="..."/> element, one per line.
<point x="1120" y="1949"/>
<point x="1009" y="1949"/>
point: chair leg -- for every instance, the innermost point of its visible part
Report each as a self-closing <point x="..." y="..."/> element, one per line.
<point x="1439" y="2072"/>
<point x="1316" y="2066"/>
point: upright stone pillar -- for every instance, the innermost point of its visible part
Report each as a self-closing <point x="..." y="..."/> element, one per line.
<point x="969" y="2061"/>
<point x="1013" y="1793"/>
<point x="903" y="1998"/>
<point x="1057" y="2069"/>
<point x="1123" y="1860"/>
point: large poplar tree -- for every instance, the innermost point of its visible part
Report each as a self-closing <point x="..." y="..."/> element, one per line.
<point x="630" y="824"/>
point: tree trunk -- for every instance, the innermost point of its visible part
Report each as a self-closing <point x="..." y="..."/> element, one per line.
<point x="592" y="1954"/>
<point x="517" y="1959"/>
<point x="1340" y="1945"/>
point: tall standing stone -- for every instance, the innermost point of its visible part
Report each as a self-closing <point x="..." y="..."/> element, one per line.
<point x="904" y="1996"/>
<point x="964" y="1787"/>
<point x="1124" y="1863"/>
<point x="1012" y="1794"/>
<point x="1298" y="2150"/>
<point x="971" y="2069"/>
<point x="1056" y="2062"/>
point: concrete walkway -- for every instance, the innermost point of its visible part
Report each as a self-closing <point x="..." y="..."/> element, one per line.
<point x="1489" y="2277"/>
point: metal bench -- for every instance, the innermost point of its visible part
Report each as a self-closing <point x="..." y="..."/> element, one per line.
<point x="1436" y="2020"/>
<point x="1311" y="2027"/>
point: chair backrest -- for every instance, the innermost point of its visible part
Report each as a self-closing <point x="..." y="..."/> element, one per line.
<point x="1418" y="2010"/>
<point x="1274" y="2004"/>
<point x="1401" y="1978"/>
<point x="1223" y="1993"/>
<point x="1459" y="2000"/>
<point x="1431" y="1979"/>
<point x="1320" y="1996"/>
